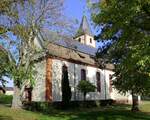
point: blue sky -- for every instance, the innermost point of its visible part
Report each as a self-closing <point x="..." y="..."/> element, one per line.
<point x="75" y="8"/>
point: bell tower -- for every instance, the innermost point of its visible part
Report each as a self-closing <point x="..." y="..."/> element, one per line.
<point x="84" y="34"/>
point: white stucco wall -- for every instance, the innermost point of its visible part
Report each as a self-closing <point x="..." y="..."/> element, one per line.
<point x="74" y="73"/>
<point x="87" y="38"/>
<point x="115" y="95"/>
<point x="38" y="92"/>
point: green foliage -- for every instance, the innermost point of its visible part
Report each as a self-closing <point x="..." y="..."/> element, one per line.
<point x="5" y="99"/>
<point x="85" y="86"/>
<point x="14" y="39"/>
<point x="66" y="89"/>
<point x="125" y="25"/>
<point x="7" y="9"/>
<point x="20" y="75"/>
<point x="4" y="66"/>
<point x="44" y="107"/>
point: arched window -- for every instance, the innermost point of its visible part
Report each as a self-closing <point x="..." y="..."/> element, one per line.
<point x="98" y="81"/>
<point x="90" y="40"/>
<point x="83" y="74"/>
<point x="79" y="39"/>
<point x="110" y="83"/>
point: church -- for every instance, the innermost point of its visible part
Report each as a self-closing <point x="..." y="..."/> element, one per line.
<point x="77" y="54"/>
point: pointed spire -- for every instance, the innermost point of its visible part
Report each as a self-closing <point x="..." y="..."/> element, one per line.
<point x="84" y="28"/>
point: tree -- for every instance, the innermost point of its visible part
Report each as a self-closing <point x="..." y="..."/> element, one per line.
<point x="66" y="90"/>
<point x="21" y="22"/>
<point x="85" y="86"/>
<point x="125" y="30"/>
<point x="4" y="66"/>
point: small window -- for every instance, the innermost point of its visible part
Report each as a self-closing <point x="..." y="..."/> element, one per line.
<point x="79" y="39"/>
<point x="83" y="74"/>
<point x="110" y="83"/>
<point x="90" y="40"/>
<point x="98" y="81"/>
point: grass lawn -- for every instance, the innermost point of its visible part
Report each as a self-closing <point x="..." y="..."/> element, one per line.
<point x="118" y="112"/>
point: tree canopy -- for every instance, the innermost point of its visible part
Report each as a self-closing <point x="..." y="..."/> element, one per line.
<point x="20" y="23"/>
<point x="4" y="67"/>
<point x="124" y="26"/>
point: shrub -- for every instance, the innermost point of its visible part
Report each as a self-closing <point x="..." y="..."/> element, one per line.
<point x="66" y="90"/>
<point x="85" y="87"/>
<point x="44" y="107"/>
<point x="48" y="107"/>
<point x="5" y="99"/>
<point x="106" y="102"/>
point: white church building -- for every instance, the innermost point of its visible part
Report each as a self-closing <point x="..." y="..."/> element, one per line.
<point x="78" y="55"/>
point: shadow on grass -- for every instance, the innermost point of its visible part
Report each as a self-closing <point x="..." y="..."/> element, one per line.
<point x="115" y="112"/>
<point x="6" y="118"/>
<point x="102" y="115"/>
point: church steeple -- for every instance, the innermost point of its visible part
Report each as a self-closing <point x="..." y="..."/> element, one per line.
<point x="84" y="27"/>
<point x="84" y="34"/>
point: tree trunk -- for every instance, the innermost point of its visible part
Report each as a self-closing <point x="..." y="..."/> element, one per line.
<point x="84" y="96"/>
<point x="135" y="103"/>
<point x="84" y="99"/>
<point x="16" y="102"/>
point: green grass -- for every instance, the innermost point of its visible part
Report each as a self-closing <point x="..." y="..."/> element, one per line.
<point x="117" y="112"/>
<point x="145" y="106"/>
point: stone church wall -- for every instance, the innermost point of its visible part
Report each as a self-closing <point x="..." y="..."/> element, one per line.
<point x="38" y="92"/>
